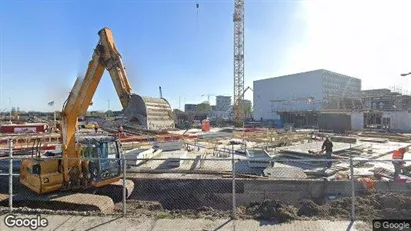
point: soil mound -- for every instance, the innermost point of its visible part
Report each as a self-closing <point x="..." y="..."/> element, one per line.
<point x="367" y="208"/>
<point x="272" y="210"/>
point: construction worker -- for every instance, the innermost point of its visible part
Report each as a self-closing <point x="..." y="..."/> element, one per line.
<point x="398" y="162"/>
<point x="328" y="148"/>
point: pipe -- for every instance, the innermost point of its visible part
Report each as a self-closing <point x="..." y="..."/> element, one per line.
<point x="161" y="92"/>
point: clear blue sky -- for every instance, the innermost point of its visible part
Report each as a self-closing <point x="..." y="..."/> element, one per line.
<point x="46" y="44"/>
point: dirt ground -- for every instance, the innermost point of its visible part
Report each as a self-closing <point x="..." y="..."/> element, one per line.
<point x="367" y="208"/>
<point x="137" y="208"/>
<point x="374" y="206"/>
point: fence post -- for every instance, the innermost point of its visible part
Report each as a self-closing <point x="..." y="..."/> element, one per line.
<point x="234" y="215"/>
<point x="11" y="175"/>
<point x="352" y="187"/>
<point x="124" y="186"/>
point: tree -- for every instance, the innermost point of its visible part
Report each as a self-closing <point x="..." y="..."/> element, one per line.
<point x="204" y="108"/>
<point x="247" y="108"/>
<point x="247" y="111"/>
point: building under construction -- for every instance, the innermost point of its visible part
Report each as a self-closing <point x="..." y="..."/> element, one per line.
<point x="385" y="109"/>
<point x="298" y="98"/>
<point x="329" y="101"/>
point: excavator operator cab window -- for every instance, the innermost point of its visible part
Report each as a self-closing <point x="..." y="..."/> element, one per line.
<point x="36" y="169"/>
<point x="89" y="152"/>
<point x="113" y="152"/>
<point x="110" y="162"/>
<point x="119" y="145"/>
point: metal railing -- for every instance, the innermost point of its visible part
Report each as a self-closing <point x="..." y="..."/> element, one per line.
<point x="226" y="186"/>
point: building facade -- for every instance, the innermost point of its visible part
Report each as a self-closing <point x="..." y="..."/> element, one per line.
<point x="190" y="107"/>
<point x="385" y="99"/>
<point x="223" y="103"/>
<point x="304" y="92"/>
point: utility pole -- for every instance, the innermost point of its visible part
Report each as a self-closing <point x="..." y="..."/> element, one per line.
<point x="54" y="116"/>
<point x="10" y="110"/>
<point x="238" y="20"/>
<point x="108" y="109"/>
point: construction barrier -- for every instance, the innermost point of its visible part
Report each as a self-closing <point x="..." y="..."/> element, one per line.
<point x="221" y="181"/>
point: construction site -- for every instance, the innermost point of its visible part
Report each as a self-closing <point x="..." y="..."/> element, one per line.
<point x="271" y="165"/>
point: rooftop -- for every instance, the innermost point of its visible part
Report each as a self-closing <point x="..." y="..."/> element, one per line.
<point x="306" y="72"/>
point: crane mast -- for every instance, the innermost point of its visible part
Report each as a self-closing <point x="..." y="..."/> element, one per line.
<point x="238" y="19"/>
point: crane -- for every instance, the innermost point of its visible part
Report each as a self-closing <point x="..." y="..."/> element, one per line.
<point x="240" y="98"/>
<point x="238" y="19"/>
<point x="208" y="97"/>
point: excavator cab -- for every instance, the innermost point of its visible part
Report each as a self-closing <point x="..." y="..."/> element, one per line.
<point x="101" y="165"/>
<point x="102" y="155"/>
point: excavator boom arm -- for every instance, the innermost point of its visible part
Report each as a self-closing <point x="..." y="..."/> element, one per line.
<point x="114" y="65"/>
<point x="77" y="104"/>
<point x="105" y="56"/>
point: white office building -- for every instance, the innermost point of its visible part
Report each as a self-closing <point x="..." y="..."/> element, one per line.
<point x="302" y="92"/>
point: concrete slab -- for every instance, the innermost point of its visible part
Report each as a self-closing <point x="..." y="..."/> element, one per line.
<point x="379" y="149"/>
<point x="375" y="140"/>
<point x="214" y="135"/>
<point x="175" y="158"/>
<point x="170" y="145"/>
<point x="285" y="173"/>
<point x="258" y="158"/>
<point x="137" y="157"/>
<point x="315" y="146"/>
<point x="196" y="132"/>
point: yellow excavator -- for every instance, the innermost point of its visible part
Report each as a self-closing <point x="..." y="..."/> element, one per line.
<point x="91" y="161"/>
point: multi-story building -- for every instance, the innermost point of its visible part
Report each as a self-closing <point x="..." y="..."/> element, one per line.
<point x="385" y="99"/>
<point x="223" y="103"/>
<point x="190" y="107"/>
<point x="309" y="91"/>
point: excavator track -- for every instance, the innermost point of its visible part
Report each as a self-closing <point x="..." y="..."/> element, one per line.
<point x="100" y="200"/>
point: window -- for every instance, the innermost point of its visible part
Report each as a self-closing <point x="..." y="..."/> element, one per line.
<point x="112" y="150"/>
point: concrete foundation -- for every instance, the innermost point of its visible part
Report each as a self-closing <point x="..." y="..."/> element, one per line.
<point x="397" y="120"/>
<point x="217" y="193"/>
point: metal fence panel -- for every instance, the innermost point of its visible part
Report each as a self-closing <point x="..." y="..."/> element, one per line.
<point x="292" y="189"/>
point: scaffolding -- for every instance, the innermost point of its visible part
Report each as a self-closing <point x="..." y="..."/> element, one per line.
<point x="341" y="94"/>
<point x="393" y="99"/>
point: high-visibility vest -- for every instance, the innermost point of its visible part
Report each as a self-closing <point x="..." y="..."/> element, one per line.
<point x="367" y="183"/>
<point x="397" y="154"/>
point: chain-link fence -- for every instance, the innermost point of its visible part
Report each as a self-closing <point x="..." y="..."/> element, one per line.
<point x="194" y="183"/>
